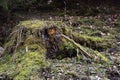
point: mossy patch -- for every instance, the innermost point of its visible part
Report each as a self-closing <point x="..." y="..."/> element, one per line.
<point x="22" y="66"/>
<point x="92" y="21"/>
<point x="39" y="24"/>
<point x="31" y="61"/>
<point x="32" y="24"/>
<point x="92" y="42"/>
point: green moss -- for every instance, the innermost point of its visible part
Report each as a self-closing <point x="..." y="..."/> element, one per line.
<point x="22" y="66"/>
<point x="32" y="23"/>
<point x="31" y="61"/>
<point x="102" y="57"/>
<point x="39" y="24"/>
<point x="92" y="21"/>
<point x="91" y="41"/>
<point x="88" y="38"/>
<point x="97" y="56"/>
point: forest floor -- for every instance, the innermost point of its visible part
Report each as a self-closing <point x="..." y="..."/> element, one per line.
<point x="100" y="26"/>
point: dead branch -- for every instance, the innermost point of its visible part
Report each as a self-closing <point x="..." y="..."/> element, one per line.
<point x="77" y="45"/>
